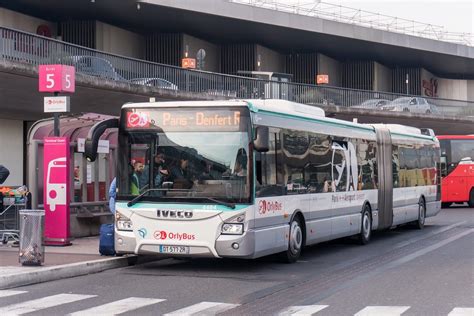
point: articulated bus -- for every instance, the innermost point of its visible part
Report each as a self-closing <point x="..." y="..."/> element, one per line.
<point x="457" y="169"/>
<point x="245" y="179"/>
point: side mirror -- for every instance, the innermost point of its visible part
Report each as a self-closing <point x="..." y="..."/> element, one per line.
<point x="262" y="139"/>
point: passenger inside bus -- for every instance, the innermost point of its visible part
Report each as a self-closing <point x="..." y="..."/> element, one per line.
<point x="160" y="171"/>
<point x="180" y="175"/>
<point x="135" y="185"/>
<point x="240" y="169"/>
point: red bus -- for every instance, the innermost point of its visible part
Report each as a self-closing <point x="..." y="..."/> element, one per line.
<point x="457" y="169"/>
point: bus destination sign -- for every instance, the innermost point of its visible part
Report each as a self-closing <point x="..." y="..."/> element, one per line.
<point x="186" y="120"/>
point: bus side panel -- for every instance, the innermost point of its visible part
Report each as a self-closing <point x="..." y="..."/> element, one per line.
<point x="456" y="186"/>
<point x="272" y="217"/>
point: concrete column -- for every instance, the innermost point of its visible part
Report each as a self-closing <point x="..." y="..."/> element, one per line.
<point x="382" y="78"/>
<point x="331" y="67"/>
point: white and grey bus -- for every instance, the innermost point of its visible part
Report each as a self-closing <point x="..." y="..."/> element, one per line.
<point x="249" y="178"/>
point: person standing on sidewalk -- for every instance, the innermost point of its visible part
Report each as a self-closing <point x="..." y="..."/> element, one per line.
<point x="112" y="195"/>
<point x="4" y="173"/>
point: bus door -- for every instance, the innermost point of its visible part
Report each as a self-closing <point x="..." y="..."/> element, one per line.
<point x="385" y="177"/>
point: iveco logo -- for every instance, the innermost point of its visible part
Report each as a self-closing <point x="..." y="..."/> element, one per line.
<point x="174" y="214"/>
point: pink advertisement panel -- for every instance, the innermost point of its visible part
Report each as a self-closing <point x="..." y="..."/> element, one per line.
<point x="56" y="190"/>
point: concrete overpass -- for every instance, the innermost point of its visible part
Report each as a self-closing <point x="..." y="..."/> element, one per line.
<point x="225" y="22"/>
<point x="20" y="100"/>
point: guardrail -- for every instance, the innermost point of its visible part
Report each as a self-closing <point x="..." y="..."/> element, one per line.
<point x="22" y="47"/>
<point x="344" y="14"/>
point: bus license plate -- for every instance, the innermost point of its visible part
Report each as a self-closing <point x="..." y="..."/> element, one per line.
<point x="174" y="249"/>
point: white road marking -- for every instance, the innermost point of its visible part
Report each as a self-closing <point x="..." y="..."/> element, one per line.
<point x="118" y="307"/>
<point x="461" y="311"/>
<point x="5" y="293"/>
<point x="41" y="303"/>
<point x="203" y="308"/>
<point x="306" y="310"/>
<point x="382" y="311"/>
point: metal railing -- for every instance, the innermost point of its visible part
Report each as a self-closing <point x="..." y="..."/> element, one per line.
<point x="31" y="49"/>
<point x="339" y="13"/>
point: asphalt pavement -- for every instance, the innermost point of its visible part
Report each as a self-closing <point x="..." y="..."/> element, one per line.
<point x="403" y="271"/>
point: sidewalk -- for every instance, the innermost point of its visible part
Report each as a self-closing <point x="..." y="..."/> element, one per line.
<point x="81" y="258"/>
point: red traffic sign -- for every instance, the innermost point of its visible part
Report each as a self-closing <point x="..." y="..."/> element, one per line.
<point x="322" y="79"/>
<point x="57" y="78"/>
<point x="188" y="63"/>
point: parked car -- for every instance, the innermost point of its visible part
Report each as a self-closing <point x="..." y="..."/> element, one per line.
<point x="412" y="105"/>
<point x="155" y="82"/>
<point x="375" y="104"/>
<point x="93" y="66"/>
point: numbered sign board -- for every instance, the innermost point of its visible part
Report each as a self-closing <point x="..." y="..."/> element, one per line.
<point x="57" y="78"/>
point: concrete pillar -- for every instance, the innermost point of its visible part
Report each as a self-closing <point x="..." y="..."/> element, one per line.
<point x="331" y="67"/>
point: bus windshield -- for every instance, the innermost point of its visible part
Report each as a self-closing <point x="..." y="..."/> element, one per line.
<point x="454" y="150"/>
<point x="186" y="155"/>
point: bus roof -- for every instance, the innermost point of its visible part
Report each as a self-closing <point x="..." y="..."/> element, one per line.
<point x="284" y="107"/>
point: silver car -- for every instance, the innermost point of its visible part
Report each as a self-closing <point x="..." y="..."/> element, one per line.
<point x="93" y="66"/>
<point x="155" y="82"/>
<point x="374" y="104"/>
<point x="412" y="105"/>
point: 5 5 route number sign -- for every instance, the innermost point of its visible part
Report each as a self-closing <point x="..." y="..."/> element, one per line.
<point x="57" y="78"/>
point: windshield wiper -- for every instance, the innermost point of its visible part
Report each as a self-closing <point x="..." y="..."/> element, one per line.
<point x="228" y="204"/>
<point x="138" y="197"/>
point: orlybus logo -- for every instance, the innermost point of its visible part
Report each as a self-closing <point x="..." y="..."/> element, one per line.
<point x="160" y="234"/>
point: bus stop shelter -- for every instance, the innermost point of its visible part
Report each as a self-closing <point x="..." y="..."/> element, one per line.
<point x="89" y="181"/>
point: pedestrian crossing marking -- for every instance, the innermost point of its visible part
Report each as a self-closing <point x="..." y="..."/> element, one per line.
<point x="382" y="311"/>
<point x="41" y="303"/>
<point x="302" y="310"/>
<point x="118" y="307"/>
<point x="460" y="311"/>
<point x="203" y="308"/>
<point x="6" y="293"/>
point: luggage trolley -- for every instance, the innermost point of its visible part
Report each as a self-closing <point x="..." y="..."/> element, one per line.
<point x="10" y="217"/>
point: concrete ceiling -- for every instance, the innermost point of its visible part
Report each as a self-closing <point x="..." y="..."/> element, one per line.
<point x="153" y="18"/>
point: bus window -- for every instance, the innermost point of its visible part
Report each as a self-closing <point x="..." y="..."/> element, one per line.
<point x="269" y="170"/>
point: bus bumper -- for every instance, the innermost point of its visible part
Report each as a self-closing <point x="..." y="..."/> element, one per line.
<point x="237" y="246"/>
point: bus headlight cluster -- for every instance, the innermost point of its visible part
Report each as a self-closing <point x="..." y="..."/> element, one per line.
<point x="232" y="229"/>
<point x="123" y="222"/>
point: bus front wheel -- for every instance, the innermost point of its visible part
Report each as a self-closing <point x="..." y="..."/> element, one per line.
<point x="295" y="241"/>
<point x="366" y="226"/>
<point x="471" y="198"/>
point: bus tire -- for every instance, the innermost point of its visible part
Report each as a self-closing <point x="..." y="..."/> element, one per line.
<point x="365" y="226"/>
<point x="445" y="204"/>
<point x="295" y="241"/>
<point x="471" y="198"/>
<point x="420" y="223"/>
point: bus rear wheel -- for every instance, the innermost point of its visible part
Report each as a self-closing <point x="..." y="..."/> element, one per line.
<point x="295" y="242"/>
<point x="366" y="226"/>
<point x="445" y="204"/>
<point x="420" y="223"/>
<point x="471" y="198"/>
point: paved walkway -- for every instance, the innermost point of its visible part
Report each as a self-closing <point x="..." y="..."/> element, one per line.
<point x="82" y="249"/>
<point x="80" y="258"/>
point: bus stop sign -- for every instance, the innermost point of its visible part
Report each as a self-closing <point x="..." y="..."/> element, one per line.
<point x="57" y="78"/>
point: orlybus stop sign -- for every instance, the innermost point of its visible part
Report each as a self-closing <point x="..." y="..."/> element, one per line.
<point x="56" y="78"/>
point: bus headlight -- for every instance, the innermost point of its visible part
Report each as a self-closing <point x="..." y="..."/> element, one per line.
<point x="123" y="222"/>
<point x="232" y="229"/>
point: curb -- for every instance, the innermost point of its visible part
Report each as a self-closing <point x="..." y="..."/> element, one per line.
<point x="64" y="271"/>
